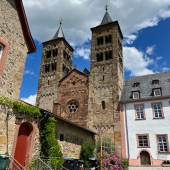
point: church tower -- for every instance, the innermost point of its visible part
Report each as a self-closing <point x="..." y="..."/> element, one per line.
<point x="56" y="63"/>
<point x="106" y="79"/>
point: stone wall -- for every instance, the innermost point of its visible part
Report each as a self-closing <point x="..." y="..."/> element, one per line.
<point x="105" y="84"/>
<point x="4" y="141"/>
<point x="14" y="59"/>
<point x="70" y="150"/>
<point x="73" y="138"/>
<point x="48" y="82"/>
<point x="73" y="88"/>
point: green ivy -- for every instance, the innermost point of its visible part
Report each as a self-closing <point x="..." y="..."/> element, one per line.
<point x="49" y="145"/>
<point x="20" y="107"/>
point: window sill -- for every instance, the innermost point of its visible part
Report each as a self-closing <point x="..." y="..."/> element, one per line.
<point x="140" y="119"/>
<point x="143" y="147"/>
<point x="164" y="152"/>
<point x="158" y="118"/>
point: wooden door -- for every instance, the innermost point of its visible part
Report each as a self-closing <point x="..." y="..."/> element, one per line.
<point x="145" y="158"/>
<point x="23" y="142"/>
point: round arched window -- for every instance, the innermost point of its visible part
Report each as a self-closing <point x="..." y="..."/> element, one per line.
<point x="72" y="106"/>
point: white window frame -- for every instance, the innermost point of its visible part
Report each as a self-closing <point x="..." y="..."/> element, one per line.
<point x="135" y="93"/>
<point x="162" y="141"/>
<point x="157" y="92"/>
<point x="144" y="139"/>
<point x="157" y="110"/>
<point x="140" y="112"/>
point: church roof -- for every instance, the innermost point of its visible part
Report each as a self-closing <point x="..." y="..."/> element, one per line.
<point x="106" y="19"/>
<point x="59" y="33"/>
<point x="74" y="70"/>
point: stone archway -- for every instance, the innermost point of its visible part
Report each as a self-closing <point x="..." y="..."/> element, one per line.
<point x="145" y="158"/>
<point x="23" y="143"/>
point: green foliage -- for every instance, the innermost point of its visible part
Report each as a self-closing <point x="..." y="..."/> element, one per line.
<point x="49" y="145"/>
<point x="87" y="151"/>
<point x="19" y="107"/>
<point x="125" y="163"/>
<point x="6" y="102"/>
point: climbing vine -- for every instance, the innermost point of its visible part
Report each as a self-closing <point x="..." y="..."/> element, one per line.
<point x="49" y="145"/>
<point x="50" y="148"/>
<point x="20" y="107"/>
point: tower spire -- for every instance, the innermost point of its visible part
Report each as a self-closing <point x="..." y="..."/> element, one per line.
<point x="106" y="7"/>
<point x="60" y="32"/>
<point x="106" y="19"/>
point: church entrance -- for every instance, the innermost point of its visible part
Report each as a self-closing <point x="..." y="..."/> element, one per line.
<point x="23" y="143"/>
<point x="145" y="158"/>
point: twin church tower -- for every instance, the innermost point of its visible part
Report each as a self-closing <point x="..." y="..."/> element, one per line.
<point x="90" y="99"/>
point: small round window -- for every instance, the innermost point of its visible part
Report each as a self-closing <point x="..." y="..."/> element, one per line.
<point x="72" y="106"/>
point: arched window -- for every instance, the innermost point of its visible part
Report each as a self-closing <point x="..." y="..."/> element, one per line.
<point x="145" y="158"/>
<point x="103" y="105"/>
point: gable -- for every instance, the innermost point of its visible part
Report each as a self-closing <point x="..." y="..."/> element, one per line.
<point x="74" y="78"/>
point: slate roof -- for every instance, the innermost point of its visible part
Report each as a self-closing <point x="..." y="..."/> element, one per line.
<point x="146" y="87"/>
<point x="106" y="19"/>
<point x="59" y="33"/>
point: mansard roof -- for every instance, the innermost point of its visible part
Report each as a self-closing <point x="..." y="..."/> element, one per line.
<point x="18" y="5"/>
<point x="145" y="87"/>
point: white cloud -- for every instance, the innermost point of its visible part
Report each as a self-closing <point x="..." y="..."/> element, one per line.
<point x="150" y="50"/>
<point x="165" y="69"/>
<point x="29" y="72"/>
<point x="129" y="39"/>
<point x="80" y="15"/>
<point x="30" y="99"/>
<point x="83" y="52"/>
<point x="159" y="58"/>
<point x="136" y="62"/>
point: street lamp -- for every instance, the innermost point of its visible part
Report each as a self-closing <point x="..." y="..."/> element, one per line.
<point x="101" y="128"/>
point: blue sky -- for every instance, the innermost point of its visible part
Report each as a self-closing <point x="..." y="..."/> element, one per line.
<point x="146" y="45"/>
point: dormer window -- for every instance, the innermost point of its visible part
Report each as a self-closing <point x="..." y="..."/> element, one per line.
<point x="135" y="94"/>
<point x="155" y="82"/>
<point x="1" y="50"/>
<point x="157" y="92"/>
<point x="136" y="84"/>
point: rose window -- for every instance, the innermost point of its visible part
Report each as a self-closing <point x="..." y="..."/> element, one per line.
<point x="72" y="106"/>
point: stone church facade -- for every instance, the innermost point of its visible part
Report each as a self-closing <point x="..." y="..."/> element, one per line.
<point x="90" y="99"/>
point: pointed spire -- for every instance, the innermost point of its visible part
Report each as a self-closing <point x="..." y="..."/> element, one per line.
<point x="106" y="19"/>
<point x="60" y="32"/>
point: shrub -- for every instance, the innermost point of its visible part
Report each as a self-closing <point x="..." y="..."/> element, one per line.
<point x="125" y="163"/>
<point x="87" y="151"/>
<point x="112" y="163"/>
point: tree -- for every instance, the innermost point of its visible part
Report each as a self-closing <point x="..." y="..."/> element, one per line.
<point x="87" y="151"/>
